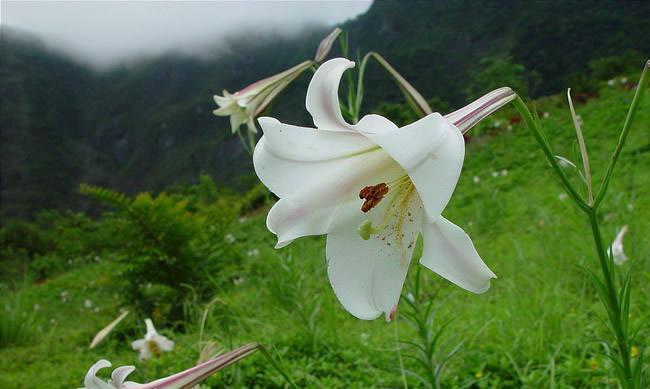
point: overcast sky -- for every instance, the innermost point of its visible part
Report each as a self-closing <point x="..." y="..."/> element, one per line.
<point x="108" y="32"/>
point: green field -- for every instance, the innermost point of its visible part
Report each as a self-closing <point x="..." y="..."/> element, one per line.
<point x="539" y="326"/>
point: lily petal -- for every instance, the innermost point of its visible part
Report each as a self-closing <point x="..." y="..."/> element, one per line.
<point x="119" y="375"/>
<point x="91" y="381"/>
<point x="193" y="376"/>
<point x="294" y="165"/>
<point x="449" y="251"/>
<point x="468" y="116"/>
<point x="367" y="275"/>
<point x="289" y="222"/>
<point x="431" y="151"/>
<point x="323" y="95"/>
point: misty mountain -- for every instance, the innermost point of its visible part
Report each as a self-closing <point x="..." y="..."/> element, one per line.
<point x="149" y="125"/>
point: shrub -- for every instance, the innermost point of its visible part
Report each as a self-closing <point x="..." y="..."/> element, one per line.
<point x="172" y="244"/>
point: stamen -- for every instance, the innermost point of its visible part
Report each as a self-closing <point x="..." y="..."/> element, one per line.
<point x="373" y="194"/>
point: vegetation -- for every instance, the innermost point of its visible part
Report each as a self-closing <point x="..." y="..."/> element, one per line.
<point x="149" y="125"/>
<point x="540" y="325"/>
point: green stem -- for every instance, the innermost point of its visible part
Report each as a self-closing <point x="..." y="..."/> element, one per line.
<point x="640" y="90"/>
<point x="612" y="303"/>
<point x="276" y="365"/>
<point x="548" y="152"/>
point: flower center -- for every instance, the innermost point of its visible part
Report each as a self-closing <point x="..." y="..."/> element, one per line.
<point x="152" y="345"/>
<point x="402" y="188"/>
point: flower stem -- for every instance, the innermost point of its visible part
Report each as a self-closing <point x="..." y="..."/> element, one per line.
<point x="640" y="90"/>
<point x="614" y="297"/>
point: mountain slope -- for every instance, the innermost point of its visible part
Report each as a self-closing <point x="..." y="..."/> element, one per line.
<point x="149" y="125"/>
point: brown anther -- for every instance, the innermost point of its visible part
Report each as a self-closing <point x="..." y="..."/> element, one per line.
<point x="373" y="195"/>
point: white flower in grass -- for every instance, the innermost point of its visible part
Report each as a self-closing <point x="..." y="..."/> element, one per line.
<point x="504" y="173"/>
<point x="495" y="174"/>
<point x="253" y="253"/>
<point x="562" y="196"/>
<point x="546" y="115"/>
<point x="230" y="238"/>
<point x="611" y="82"/>
<point x="616" y="248"/>
<point x="185" y="379"/>
<point x="623" y="80"/>
<point x="372" y="188"/>
<point x="88" y="304"/>
<point x="153" y="343"/>
<point x="476" y="179"/>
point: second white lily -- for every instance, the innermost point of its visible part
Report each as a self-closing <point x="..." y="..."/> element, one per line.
<point x="372" y="188"/>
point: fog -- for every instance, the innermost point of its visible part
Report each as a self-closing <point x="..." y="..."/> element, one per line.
<point x="107" y="33"/>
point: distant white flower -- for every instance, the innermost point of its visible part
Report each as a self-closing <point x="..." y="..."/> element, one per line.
<point x="496" y="124"/>
<point x="153" y="343"/>
<point x="495" y="174"/>
<point x="623" y="80"/>
<point x="253" y="253"/>
<point x="410" y="297"/>
<point x="546" y="115"/>
<point x="562" y="196"/>
<point x="242" y="219"/>
<point x="237" y="281"/>
<point x="509" y="127"/>
<point x="476" y="179"/>
<point x="229" y="238"/>
<point x="630" y="207"/>
<point x="37" y="307"/>
<point x="64" y="296"/>
<point x="504" y="172"/>
<point x="611" y="82"/>
<point x="616" y="247"/>
<point x="88" y="304"/>
<point x="185" y="379"/>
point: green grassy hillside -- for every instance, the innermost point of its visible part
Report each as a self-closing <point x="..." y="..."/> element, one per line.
<point x="539" y="326"/>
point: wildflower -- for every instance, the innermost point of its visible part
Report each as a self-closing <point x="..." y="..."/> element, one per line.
<point x="153" y="343"/>
<point x="611" y="82"/>
<point x="495" y="174"/>
<point x="504" y="173"/>
<point x="101" y="335"/>
<point x="253" y="253"/>
<point x="623" y="80"/>
<point x="184" y="379"/>
<point x="546" y="115"/>
<point x="616" y="248"/>
<point x="246" y="104"/>
<point x="476" y="179"/>
<point x="372" y="188"/>
<point x="37" y="307"/>
<point x="229" y="238"/>
<point x="88" y="304"/>
<point x="562" y="196"/>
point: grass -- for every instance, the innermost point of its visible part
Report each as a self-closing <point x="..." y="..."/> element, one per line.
<point x="539" y="326"/>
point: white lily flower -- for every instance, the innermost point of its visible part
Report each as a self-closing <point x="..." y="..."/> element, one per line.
<point x="183" y="380"/>
<point x="616" y="248"/>
<point x="372" y="188"/>
<point x="153" y="343"/>
<point x="244" y="105"/>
